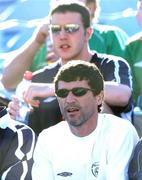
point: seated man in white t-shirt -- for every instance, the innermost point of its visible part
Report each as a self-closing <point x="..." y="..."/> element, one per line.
<point x="87" y="145"/>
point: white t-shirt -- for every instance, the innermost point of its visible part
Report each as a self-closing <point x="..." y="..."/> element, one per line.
<point x="102" y="155"/>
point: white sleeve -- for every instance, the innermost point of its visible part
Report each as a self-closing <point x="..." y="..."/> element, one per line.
<point x="120" y="152"/>
<point x="42" y="168"/>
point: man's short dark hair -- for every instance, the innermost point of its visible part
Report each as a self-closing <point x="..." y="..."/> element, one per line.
<point x="91" y="1"/>
<point x="80" y="70"/>
<point x="73" y="7"/>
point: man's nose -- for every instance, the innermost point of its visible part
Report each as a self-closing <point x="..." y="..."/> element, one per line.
<point x="70" y="97"/>
<point x="63" y="33"/>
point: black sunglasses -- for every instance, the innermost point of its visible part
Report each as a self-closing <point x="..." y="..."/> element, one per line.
<point x="78" y="91"/>
<point x="68" y="28"/>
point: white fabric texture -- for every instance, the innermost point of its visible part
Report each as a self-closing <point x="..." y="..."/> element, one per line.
<point x="102" y="155"/>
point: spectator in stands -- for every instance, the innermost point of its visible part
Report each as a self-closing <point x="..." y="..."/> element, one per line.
<point x="133" y="54"/>
<point x="87" y="145"/>
<point x="70" y="27"/>
<point x="32" y="55"/>
<point x="105" y="38"/>
<point x="17" y="142"/>
<point x="134" y="57"/>
<point x="35" y="54"/>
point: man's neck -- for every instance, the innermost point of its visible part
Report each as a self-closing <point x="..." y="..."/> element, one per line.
<point x="85" y="129"/>
<point x="87" y="57"/>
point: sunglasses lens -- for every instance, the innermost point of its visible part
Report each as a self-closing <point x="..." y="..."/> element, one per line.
<point x="79" y="91"/>
<point x="70" y="28"/>
<point x="55" y="29"/>
<point x="62" y="93"/>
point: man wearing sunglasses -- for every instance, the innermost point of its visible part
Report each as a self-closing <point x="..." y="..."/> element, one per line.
<point x="87" y="145"/>
<point x="70" y="31"/>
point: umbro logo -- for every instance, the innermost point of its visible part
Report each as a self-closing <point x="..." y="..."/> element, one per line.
<point x="64" y="174"/>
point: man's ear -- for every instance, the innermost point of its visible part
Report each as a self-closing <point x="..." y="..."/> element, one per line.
<point x="89" y="31"/>
<point x="100" y="98"/>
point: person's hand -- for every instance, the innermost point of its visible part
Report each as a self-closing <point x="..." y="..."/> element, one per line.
<point x="13" y="107"/>
<point x="41" y="33"/>
<point x="36" y="91"/>
<point x="41" y="36"/>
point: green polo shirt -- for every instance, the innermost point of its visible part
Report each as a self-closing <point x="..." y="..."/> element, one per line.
<point x="133" y="54"/>
<point x="39" y="59"/>
<point x="108" y="39"/>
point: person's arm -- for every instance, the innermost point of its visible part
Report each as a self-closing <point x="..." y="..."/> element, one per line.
<point x="117" y="86"/>
<point x="116" y="94"/>
<point x="118" y="81"/>
<point x="31" y="96"/>
<point x="14" y="70"/>
<point x="38" y="90"/>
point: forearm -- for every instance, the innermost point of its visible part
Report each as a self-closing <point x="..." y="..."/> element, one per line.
<point x="116" y="94"/>
<point x="14" y="70"/>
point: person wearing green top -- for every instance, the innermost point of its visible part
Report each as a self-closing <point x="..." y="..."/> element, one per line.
<point x="105" y="38"/>
<point x="133" y="54"/>
<point x="108" y="39"/>
<point x="39" y="59"/>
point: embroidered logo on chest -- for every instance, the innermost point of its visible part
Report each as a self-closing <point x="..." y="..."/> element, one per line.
<point x="95" y="169"/>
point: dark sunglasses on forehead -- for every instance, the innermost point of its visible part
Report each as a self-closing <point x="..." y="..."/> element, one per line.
<point x="68" y="28"/>
<point x="78" y="91"/>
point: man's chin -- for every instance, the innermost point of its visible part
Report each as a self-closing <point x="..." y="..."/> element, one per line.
<point x="74" y="123"/>
<point x="65" y="58"/>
